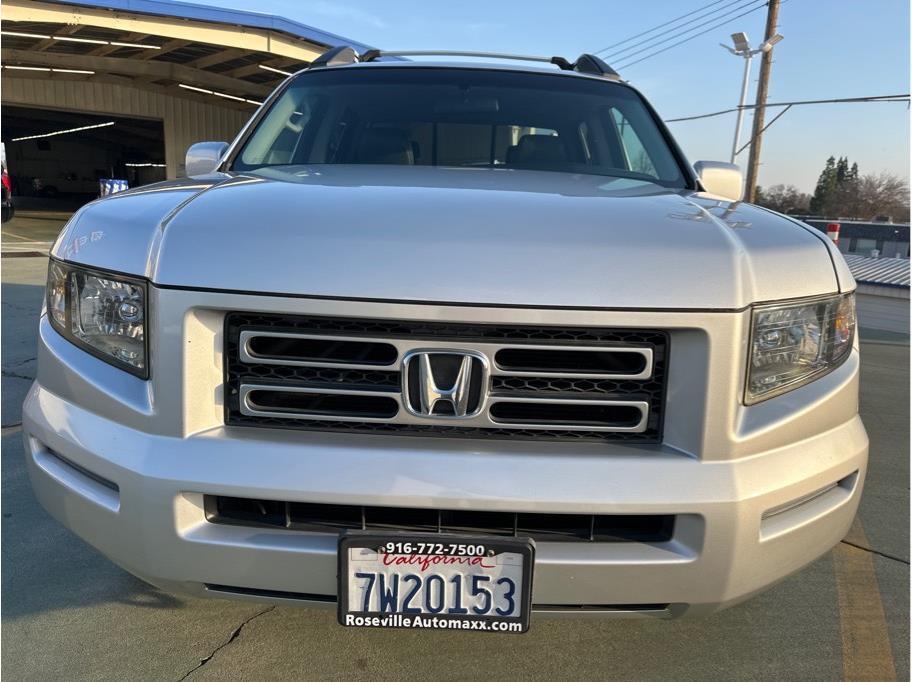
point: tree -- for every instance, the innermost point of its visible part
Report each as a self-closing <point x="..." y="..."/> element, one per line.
<point x="783" y="198"/>
<point x="843" y="199"/>
<point x="880" y="194"/>
<point x="842" y="170"/>
<point x="826" y="188"/>
<point x="842" y="192"/>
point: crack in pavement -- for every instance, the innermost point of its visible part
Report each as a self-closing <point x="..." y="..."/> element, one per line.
<point x="14" y="375"/>
<point x="21" y="362"/>
<point x="878" y="553"/>
<point x="234" y="635"/>
<point x="7" y="371"/>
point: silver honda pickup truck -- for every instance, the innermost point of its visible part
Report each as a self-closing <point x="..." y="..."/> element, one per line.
<point x="449" y="345"/>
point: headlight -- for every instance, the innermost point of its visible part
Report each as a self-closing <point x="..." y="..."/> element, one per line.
<point x="101" y="313"/>
<point x="793" y="344"/>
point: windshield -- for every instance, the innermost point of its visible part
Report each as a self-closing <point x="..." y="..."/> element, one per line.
<point x="463" y="118"/>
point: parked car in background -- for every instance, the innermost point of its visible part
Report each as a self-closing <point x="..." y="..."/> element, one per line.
<point x="445" y="345"/>
<point x="6" y="199"/>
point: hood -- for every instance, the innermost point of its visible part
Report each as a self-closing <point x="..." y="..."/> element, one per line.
<point x="456" y="236"/>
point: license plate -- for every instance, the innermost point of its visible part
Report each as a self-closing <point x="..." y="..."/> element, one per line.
<point x="442" y="582"/>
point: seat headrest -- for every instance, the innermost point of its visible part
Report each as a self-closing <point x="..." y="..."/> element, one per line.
<point x="537" y="149"/>
<point x="384" y="145"/>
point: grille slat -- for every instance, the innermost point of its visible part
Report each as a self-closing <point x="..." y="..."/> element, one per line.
<point x="277" y="348"/>
<point x="580" y="413"/>
<point x="589" y="384"/>
<point x="334" y="518"/>
<point x="306" y="403"/>
<point x="603" y="363"/>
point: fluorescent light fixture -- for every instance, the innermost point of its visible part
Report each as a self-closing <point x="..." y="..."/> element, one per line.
<point x="144" y="165"/>
<point x="17" y="34"/>
<point x="194" y="88"/>
<point x="218" y="94"/>
<point x="27" y="68"/>
<point x="71" y="39"/>
<point x="226" y="96"/>
<point x="274" y="70"/>
<point x="62" y="132"/>
<point x="140" y="45"/>
<point x="46" y="69"/>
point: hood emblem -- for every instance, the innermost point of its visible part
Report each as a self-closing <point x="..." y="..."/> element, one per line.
<point x="444" y="384"/>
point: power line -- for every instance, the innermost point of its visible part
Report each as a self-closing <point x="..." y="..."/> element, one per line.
<point x="650" y="45"/>
<point x="695" y="35"/>
<point x="763" y="129"/>
<point x="649" y="42"/>
<point x="655" y="28"/>
<point x="841" y="100"/>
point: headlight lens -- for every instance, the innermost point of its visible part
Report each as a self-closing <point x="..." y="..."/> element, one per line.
<point x="797" y="343"/>
<point x="103" y="314"/>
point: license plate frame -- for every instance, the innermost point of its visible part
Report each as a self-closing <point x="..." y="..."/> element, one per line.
<point x="493" y="547"/>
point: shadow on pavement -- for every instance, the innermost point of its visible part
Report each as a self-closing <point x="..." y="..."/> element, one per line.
<point x="41" y="559"/>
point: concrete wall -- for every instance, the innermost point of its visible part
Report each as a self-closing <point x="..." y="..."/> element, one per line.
<point x="185" y="121"/>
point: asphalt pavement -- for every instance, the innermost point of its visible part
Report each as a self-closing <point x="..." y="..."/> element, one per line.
<point x="68" y="613"/>
<point x="32" y="233"/>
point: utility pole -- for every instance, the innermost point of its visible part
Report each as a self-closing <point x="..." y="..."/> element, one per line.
<point x="766" y="65"/>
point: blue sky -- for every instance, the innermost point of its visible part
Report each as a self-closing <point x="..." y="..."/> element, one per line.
<point x="835" y="48"/>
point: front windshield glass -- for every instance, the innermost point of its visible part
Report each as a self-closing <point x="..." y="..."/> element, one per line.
<point x="464" y="118"/>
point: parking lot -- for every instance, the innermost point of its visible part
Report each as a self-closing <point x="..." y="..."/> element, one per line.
<point x="69" y="613"/>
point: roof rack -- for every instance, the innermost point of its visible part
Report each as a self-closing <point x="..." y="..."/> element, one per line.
<point x="337" y="56"/>
<point x="585" y="63"/>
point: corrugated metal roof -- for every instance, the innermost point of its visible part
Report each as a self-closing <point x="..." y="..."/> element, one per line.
<point x="187" y="10"/>
<point x="893" y="272"/>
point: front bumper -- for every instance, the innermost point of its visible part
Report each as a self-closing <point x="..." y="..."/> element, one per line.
<point x="138" y="498"/>
<point x="125" y="464"/>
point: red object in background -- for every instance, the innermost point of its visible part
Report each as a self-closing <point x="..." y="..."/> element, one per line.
<point x="4" y="178"/>
<point x="833" y="232"/>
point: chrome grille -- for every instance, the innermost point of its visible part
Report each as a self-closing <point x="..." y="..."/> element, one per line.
<point x="537" y="382"/>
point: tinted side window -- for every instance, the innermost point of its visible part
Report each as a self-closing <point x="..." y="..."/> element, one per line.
<point x="636" y="158"/>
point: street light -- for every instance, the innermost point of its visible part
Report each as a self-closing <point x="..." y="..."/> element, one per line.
<point x="742" y="49"/>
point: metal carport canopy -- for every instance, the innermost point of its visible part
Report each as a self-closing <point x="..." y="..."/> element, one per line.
<point x="201" y="70"/>
<point x="230" y="51"/>
<point x="186" y="10"/>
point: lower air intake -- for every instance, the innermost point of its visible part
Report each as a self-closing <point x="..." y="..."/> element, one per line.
<point x="333" y="518"/>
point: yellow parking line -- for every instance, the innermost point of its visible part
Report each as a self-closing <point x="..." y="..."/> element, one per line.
<point x="866" y="651"/>
<point x="17" y="236"/>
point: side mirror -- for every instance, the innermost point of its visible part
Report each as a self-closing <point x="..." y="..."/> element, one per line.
<point x="723" y="180"/>
<point x="203" y="157"/>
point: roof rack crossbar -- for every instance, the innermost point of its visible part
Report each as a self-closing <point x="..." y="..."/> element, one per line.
<point x="371" y="55"/>
<point x="586" y="63"/>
